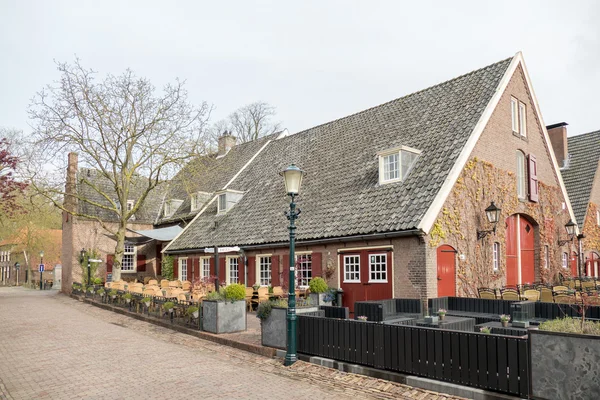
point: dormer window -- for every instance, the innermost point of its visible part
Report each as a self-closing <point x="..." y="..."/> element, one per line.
<point x="227" y="199"/>
<point x="130" y="204"/>
<point x="198" y="199"/>
<point x="171" y="206"/>
<point x="395" y="164"/>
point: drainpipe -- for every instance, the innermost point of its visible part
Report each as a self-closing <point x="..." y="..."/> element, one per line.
<point x="580" y="244"/>
<point x="216" y="268"/>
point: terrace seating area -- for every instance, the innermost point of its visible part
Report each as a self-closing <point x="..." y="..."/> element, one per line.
<point x="389" y="310"/>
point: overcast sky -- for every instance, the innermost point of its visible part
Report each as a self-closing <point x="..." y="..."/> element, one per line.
<point x="314" y="60"/>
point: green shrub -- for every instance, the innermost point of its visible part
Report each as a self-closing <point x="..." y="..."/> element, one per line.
<point x="113" y="292"/>
<point x="570" y="325"/>
<point x="167" y="267"/>
<point x="128" y="296"/>
<point x="146" y="300"/>
<point x="191" y="310"/>
<point x="264" y="310"/>
<point x="168" y="305"/>
<point x="216" y="296"/>
<point x="97" y="281"/>
<point x="101" y="291"/>
<point x="318" y="285"/>
<point x="235" y="292"/>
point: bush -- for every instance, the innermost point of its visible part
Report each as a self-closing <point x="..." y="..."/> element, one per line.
<point x="167" y="267"/>
<point x="317" y="285"/>
<point x="101" y="292"/>
<point x="168" y="305"/>
<point x="191" y="310"/>
<point x="97" y="281"/>
<point x="128" y="296"/>
<point x="264" y="310"/>
<point x="113" y="292"/>
<point x="146" y="300"/>
<point x="570" y="325"/>
<point x="235" y="292"/>
<point x="216" y="296"/>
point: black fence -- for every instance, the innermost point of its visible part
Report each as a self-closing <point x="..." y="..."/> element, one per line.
<point x="382" y="310"/>
<point x="476" y="305"/>
<point x="490" y="362"/>
<point x="336" y="312"/>
<point x="561" y="310"/>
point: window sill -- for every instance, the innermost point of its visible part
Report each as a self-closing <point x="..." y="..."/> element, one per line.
<point x="378" y="281"/>
<point x="350" y="281"/>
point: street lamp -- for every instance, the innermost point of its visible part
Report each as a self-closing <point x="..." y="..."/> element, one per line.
<point x="570" y="228"/>
<point x="41" y="267"/>
<point x="492" y="213"/>
<point x="82" y="254"/>
<point x="17" y="266"/>
<point x="292" y="177"/>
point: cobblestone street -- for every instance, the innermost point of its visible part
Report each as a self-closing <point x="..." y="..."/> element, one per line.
<point x="54" y="347"/>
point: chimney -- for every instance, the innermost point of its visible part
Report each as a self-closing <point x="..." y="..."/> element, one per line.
<point x="558" y="139"/>
<point x="226" y="142"/>
<point x="71" y="186"/>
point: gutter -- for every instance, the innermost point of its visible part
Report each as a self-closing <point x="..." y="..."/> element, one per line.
<point x="356" y="238"/>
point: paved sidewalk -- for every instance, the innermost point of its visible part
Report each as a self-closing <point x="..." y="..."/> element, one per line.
<point x="54" y="347"/>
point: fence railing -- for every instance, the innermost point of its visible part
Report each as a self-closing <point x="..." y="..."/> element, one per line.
<point x="491" y="362"/>
<point x="335" y="312"/>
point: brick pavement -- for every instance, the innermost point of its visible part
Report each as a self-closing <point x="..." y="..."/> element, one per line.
<point x="54" y="347"/>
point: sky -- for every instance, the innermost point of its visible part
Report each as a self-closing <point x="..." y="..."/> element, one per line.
<point x="315" y="61"/>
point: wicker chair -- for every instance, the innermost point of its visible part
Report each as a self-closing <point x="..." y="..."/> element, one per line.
<point x="531" y="295"/>
<point x="278" y="292"/>
<point x="152" y="282"/>
<point x="588" y="285"/>
<point x="164" y="284"/>
<point x="561" y="297"/>
<point x="560" y="288"/>
<point x="186" y="285"/>
<point x="546" y="295"/>
<point x="249" y="294"/>
<point x="263" y="295"/>
<point x="486" y="293"/>
<point x="509" y="294"/>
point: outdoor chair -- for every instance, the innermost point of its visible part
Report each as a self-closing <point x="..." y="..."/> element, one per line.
<point x="509" y="294"/>
<point x="186" y="285"/>
<point x="531" y="295"/>
<point x="152" y="282"/>
<point x="249" y="294"/>
<point x="175" y="284"/>
<point x="546" y="295"/>
<point x="157" y="291"/>
<point x="560" y="288"/>
<point x="485" y="293"/>
<point x="164" y="284"/>
<point x="147" y="280"/>
<point x="564" y="298"/>
<point x="570" y="284"/>
<point x="148" y="292"/>
<point x="198" y="296"/>
<point x="278" y="292"/>
<point x="182" y="297"/>
<point x="588" y="285"/>
<point x="263" y="295"/>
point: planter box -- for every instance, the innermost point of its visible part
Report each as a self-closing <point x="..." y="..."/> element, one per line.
<point x="223" y="316"/>
<point x="274" y="328"/>
<point x="316" y="299"/>
<point x="564" y="365"/>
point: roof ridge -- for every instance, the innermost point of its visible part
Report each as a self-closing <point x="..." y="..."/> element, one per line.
<point x="583" y="135"/>
<point x="403" y="97"/>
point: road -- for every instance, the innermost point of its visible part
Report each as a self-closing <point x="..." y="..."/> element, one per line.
<point x="54" y="347"/>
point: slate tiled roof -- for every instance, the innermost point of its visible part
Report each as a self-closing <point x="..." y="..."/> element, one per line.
<point x="146" y="214"/>
<point x="209" y="174"/>
<point x="579" y="177"/>
<point x="340" y="194"/>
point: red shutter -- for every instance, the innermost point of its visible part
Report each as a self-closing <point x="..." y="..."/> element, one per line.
<point x="285" y="272"/>
<point x="175" y="268"/>
<point x="141" y="263"/>
<point x="275" y="281"/>
<point x="212" y="272"/>
<point x="158" y="259"/>
<point x="252" y="271"/>
<point x="315" y="264"/>
<point x="534" y="194"/>
<point x="110" y="259"/>
<point x="222" y="265"/>
<point x="196" y="269"/>
<point x="241" y="271"/>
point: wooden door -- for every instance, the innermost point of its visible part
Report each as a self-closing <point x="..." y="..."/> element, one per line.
<point x="527" y="243"/>
<point x="512" y="246"/>
<point x="574" y="264"/>
<point x="366" y="275"/>
<point x="446" y="271"/>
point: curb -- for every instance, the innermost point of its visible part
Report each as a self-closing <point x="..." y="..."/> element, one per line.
<point x="251" y="348"/>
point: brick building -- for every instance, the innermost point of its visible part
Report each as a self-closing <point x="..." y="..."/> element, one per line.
<point x="579" y="159"/>
<point x="394" y="197"/>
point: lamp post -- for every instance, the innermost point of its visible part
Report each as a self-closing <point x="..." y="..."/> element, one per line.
<point x="82" y="258"/>
<point x="41" y="269"/>
<point x="580" y="252"/>
<point x="17" y="266"/>
<point x="492" y="213"/>
<point x="292" y="177"/>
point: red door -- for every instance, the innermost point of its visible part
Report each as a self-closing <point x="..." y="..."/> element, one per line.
<point x="446" y="271"/>
<point x="366" y="275"/>
<point x="512" y="261"/>
<point x="574" y="264"/>
<point x="527" y="236"/>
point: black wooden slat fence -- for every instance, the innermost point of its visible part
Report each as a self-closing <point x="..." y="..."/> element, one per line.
<point x="335" y="312"/>
<point x="497" y="363"/>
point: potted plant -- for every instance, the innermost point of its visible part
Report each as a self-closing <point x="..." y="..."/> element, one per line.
<point x="91" y="290"/>
<point x="272" y="315"/>
<point x="255" y="286"/>
<point x="504" y="320"/>
<point x="101" y="292"/>
<point x="270" y="289"/>
<point x="318" y="290"/>
<point x="168" y="306"/>
<point x="146" y="301"/>
<point x="362" y="318"/>
<point x="193" y="311"/>
<point x="113" y="294"/>
<point x="225" y="311"/>
<point x="128" y="297"/>
<point x="485" y="329"/>
<point x="442" y="313"/>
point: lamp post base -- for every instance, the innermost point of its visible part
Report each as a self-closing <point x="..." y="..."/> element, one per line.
<point x="289" y="359"/>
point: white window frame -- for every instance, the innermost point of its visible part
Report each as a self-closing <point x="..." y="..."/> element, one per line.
<point x="228" y="269"/>
<point x="304" y="279"/>
<point x="522" y="119"/>
<point x="565" y="260"/>
<point x="219" y="206"/>
<point x="371" y="280"/>
<point x="514" y="111"/>
<point x="204" y="261"/>
<point x="130" y="204"/>
<point x="547" y="255"/>
<point x="521" y="175"/>
<point x="350" y="272"/>
<point x="181" y="271"/>
<point x="134" y="258"/>
<point x="266" y="261"/>
<point x="496" y="256"/>
<point x="401" y="174"/>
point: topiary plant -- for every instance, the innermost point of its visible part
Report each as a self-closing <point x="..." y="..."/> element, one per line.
<point x="235" y="292"/>
<point x="264" y="310"/>
<point x="318" y="285"/>
<point x="191" y="310"/>
<point x="168" y="305"/>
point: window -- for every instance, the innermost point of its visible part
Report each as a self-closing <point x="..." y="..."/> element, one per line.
<point x="128" y="263"/>
<point x="598" y="217"/>
<point x="264" y="268"/>
<point x="547" y="255"/>
<point x="198" y="200"/>
<point x="565" y="260"/>
<point x="303" y="269"/>
<point x="514" y="108"/>
<point x="205" y="269"/>
<point x="171" y="206"/>
<point x="183" y="270"/>
<point x="521" y="176"/>
<point x="130" y="205"/>
<point x="496" y="256"/>
<point x="395" y="164"/>
<point x="234" y="269"/>
<point x="522" y="119"/>
<point x="352" y="269"/>
<point x="378" y="268"/>
<point x="222" y="202"/>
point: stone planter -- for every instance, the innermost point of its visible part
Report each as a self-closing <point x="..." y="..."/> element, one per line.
<point x="564" y="365"/>
<point x="273" y="329"/>
<point x="316" y="299"/>
<point x="223" y="316"/>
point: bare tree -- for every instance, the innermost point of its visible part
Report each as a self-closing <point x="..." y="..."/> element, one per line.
<point x="121" y="128"/>
<point x="248" y="123"/>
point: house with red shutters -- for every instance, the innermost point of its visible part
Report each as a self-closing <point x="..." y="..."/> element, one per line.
<point x="394" y="198"/>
